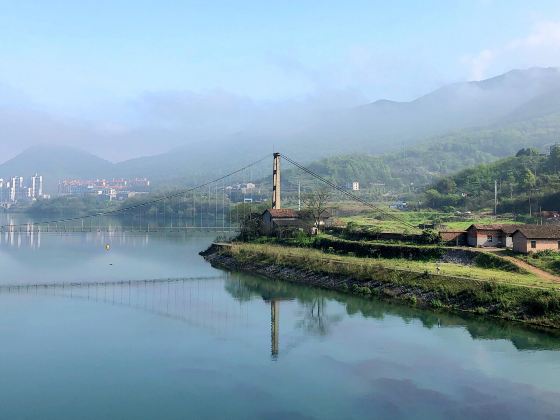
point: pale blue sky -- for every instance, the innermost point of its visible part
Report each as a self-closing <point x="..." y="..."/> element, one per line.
<point x="117" y="65"/>
<point x="63" y="52"/>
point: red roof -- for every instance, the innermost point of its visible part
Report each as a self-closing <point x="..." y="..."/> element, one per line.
<point x="283" y="213"/>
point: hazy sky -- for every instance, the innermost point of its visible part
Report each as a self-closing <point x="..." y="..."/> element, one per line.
<point x="112" y="67"/>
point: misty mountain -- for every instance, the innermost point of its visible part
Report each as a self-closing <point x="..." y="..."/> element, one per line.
<point x="384" y="125"/>
<point x="491" y="118"/>
<point x="54" y="163"/>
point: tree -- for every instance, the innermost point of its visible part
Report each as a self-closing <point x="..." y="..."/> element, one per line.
<point x="250" y="227"/>
<point x="529" y="151"/>
<point x="446" y="186"/>
<point x="554" y="158"/>
<point x="316" y="205"/>
<point x="528" y="179"/>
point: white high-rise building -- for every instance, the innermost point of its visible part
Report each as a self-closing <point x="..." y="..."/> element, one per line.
<point x="36" y="186"/>
<point x="16" y="188"/>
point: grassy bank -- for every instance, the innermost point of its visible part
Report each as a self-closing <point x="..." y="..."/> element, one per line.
<point x="493" y="292"/>
<point x="545" y="260"/>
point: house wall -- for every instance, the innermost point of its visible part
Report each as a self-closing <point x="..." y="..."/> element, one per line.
<point x="267" y="222"/>
<point x="523" y="245"/>
<point x="509" y="241"/>
<point x="520" y="243"/>
<point x="480" y="238"/>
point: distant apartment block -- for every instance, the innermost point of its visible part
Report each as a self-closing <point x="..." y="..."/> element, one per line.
<point x="114" y="189"/>
<point x="19" y="189"/>
<point x="245" y="193"/>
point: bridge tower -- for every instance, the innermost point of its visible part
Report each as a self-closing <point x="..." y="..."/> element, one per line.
<point x="276" y="181"/>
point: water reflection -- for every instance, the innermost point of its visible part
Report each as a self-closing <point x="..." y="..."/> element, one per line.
<point x="209" y="336"/>
<point x="80" y="250"/>
<point x="316" y="319"/>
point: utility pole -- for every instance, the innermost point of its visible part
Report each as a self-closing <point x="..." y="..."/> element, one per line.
<point x="276" y="181"/>
<point x="299" y="195"/>
<point x="495" y="197"/>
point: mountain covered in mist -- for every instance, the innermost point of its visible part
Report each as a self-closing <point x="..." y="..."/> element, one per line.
<point x="54" y="163"/>
<point x="443" y="131"/>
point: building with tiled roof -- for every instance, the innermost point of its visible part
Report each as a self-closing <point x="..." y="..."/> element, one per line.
<point x="534" y="238"/>
<point x="495" y="235"/>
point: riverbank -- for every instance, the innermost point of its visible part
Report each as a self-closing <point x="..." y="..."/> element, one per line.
<point x="387" y="279"/>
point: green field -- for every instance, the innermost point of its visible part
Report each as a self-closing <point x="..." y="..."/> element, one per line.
<point x="318" y="260"/>
<point x="392" y="220"/>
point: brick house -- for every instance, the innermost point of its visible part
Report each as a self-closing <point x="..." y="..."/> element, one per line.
<point x="284" y="221"/>
<point x="273" y="219"/>
<point x="498" y="235"/>
<point x="534" y="238"/>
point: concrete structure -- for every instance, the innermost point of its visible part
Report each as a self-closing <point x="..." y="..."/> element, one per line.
<point x="276" y="203"/>
<point x="534" y="238"/>
<point x="36" y="186"/>
<point x="355" y="186"/>
<point x="17" y="191"/>
<point x="498" y="235"/>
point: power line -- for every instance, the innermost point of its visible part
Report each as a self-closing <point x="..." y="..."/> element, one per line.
<point x="347" y="193"/>
<point x="145" y="203"/>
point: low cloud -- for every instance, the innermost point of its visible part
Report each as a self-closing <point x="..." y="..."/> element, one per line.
<point x="156" y="122"/>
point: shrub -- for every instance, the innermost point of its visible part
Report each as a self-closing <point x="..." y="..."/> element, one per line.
<point x="485" y="260"/>
<point x="544" y="253"/>
<point x="430" y="236"/>
<point x="436" y="303"/>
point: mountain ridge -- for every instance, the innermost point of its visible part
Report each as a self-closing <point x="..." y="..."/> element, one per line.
<point x="472" y="111"/>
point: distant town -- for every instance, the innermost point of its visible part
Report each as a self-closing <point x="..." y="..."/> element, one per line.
<point x="114" y="189"/>
<point x="20" y="189"/>
<point x="24" y="191"/>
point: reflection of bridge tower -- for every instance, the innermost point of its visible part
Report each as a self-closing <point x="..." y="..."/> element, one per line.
<point x="274" y="330"/>
<point x="276" y="181"/>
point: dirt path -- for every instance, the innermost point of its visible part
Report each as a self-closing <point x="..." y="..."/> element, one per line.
<point x="532" y="269"/>
<point x="521" y="264"/>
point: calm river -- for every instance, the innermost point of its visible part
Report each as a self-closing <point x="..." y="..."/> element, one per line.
<point x="212" y="344"/>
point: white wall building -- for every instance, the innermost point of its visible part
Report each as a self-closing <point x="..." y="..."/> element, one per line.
<point x="36" y="186"/>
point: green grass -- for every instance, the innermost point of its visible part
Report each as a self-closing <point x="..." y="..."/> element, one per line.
<point x="415" y="218"/>
<point x="549" y="262"/>
<point x="318" y="260"/>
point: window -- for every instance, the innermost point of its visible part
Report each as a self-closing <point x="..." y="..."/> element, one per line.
<point x="533" y="244"/>
<point x="489" y="238"/>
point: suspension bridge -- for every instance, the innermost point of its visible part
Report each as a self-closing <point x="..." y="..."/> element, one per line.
<point x="196" y="301"/>
<point x="207" y="206"/>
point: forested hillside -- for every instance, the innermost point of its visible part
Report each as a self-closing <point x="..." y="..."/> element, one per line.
<point x="526" y="183"/>
<point x="443" y="155"/>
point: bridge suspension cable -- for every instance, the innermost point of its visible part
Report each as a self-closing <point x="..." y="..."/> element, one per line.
<point x="142" y="204"/>
<point x="347" y="193"/>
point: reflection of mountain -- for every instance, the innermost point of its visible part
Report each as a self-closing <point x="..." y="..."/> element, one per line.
<point x="316" y="319"/>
